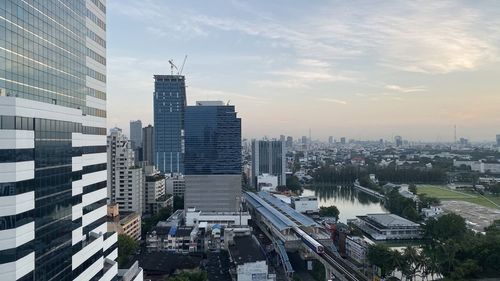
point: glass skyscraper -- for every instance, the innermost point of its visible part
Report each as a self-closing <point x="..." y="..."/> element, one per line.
<point x="169" y="109"/>
<point x="53" y="142"/>
<point x="213" y="157"/>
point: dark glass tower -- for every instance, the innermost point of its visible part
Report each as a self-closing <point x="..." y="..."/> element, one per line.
<point x="213" y="140"/>
<point x="53" y="141"/>
<point x="213" y="157"/>
<point x="169" y="108"/>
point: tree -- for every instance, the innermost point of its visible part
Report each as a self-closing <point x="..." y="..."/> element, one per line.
<point x="126" y="246"/>
<point x="410" y="213"/>
<point x="331" y="211"/>
<point x="413" y="188"/>
<point x="293" y="184"/>
<point x="382" y="257"/>
<point x="178" y="203"/>
<point x="449" y="226"/>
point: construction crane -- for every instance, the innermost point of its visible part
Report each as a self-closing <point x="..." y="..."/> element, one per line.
<point x="172" y="66"/>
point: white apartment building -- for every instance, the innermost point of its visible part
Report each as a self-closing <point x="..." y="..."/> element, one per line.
<point x="125" y="181"/>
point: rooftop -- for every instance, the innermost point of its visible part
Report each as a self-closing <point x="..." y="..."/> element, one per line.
<point x="390" y="220"/>
<point x="246" y="250"/>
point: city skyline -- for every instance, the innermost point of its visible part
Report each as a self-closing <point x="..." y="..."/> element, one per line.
<point x="413" y="69"/>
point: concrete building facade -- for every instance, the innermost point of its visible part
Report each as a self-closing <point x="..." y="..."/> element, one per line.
<point x="125" y="180"/>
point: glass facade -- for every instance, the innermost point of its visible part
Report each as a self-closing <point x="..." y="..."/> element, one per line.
<point x="44" y="57"/>
<point x="213" y="140"/>
<point x="169" y="109"/>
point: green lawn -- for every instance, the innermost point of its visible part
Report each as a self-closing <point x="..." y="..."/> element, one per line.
<point x="443" y="193"/>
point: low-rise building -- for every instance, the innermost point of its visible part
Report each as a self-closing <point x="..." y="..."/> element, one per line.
<point x="194" y="217"/>
<point x="128" y="223"/>
<point x="387" y="227"/>
<point x="431" y="212"/>
<point x="175" y="185"/>
<point x="267" y="182"/>
<point x="356" y="248"/>
<point x="155" y="197"/>
<point x="249" y="260"/>
<point x="305" y="204"/>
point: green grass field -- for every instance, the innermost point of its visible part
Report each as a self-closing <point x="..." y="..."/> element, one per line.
<point x="443" y="193"/>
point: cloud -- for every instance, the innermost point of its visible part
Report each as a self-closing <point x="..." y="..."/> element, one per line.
<point x="401" y="89"/>
<point x="210" y="94"/>
<point x="333" y="100"/>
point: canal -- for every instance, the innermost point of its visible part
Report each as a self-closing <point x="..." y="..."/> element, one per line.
<point x="347" y="199"/>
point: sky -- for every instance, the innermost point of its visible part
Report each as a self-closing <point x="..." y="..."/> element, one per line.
<point x="356" y="69"/>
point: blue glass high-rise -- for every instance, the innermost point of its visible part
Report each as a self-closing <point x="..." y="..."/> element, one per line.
<point x="169" y="109"/>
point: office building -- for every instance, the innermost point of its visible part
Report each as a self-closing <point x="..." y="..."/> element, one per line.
<point x="330" y="140"/>
<point x="125" y="179"/>
<point x="282" y="138"/>
<point x="268" y="157"/>
<point x="53" y="142"/>
<point x="148" y="145"/>
<point x="498" y="140"/>
<point x="304" y="140"/>
<point x="213" y="165"/>
<point x="342" y="140"/>
<point x="136" y="134"/>
<point x="169" y="108"/>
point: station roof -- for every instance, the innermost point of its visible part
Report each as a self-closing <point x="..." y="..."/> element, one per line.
<point x="280" y="221"/>
<point x="302" y="219"/>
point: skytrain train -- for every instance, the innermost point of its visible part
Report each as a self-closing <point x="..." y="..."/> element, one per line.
<point x="309" y="241"/>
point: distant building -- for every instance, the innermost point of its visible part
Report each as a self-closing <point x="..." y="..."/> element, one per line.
<point x="398" y="140"/>
<point x="330" y="139"/>
<point x="387" y="227"/>
<point x="136" y="134"/>
<point x="128" y="223"/>
<point x="148" y="152"/>
<point x="169" y="108"/>
<point x="480" y="166"/>
<point x="289" y="142"/>
<point x="342" y="140"/>
<point x="282" y="138"/>
<point x="268" y="157"/>
<point x="250" y="262"/>
<point x="498" y="140"/>
<point x="213" y="164"/>
<point x="304" y="140"/>
<point x="125" y="180"/>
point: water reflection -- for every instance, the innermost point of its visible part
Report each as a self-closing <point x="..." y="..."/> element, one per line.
<point x="349" y="201"/>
